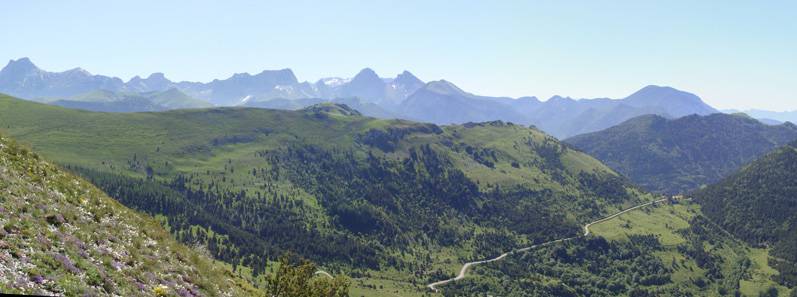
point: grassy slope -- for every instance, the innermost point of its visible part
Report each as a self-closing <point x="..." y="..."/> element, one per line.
<point x="665" y="222"/>
<point x="670" y="224"/>
<point x="63" y="236"/>
<point x="182" y="142"/>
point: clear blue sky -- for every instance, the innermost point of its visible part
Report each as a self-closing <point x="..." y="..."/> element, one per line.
<point x="734" y="54"/>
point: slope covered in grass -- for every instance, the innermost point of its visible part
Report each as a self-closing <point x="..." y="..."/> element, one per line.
<point x="392" y="197"/>
<point x="666" y="250"/>
<point x="59" y="235"/>
<point x="759" y="205"/>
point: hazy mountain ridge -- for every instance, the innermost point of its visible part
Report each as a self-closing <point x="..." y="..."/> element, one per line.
<point x="108" y="101"/>
<point x="679" y="155"/>
<point x="405" y="96"/>
<point x="768" y="116"/>
<point x="22" y="78"/>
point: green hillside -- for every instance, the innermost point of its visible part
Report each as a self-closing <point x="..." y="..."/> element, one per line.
<point x="680" y="155"/>
<point x="59" y="235"/>
<point x="393" y="200"/>
<point x="759" y="205"/>
<point x="666" y="250"/>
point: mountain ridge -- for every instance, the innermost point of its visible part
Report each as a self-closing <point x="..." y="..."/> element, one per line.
<point x="679" y="155"/>
<point x="404" y="96"/>
<point x="373" y="189"/>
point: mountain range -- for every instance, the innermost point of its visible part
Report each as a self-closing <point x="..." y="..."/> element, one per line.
<point x="380" y="195"/>
<point x="109" y="101"/>
<point x="405" y="97"/>
<point x="394" y="204"/>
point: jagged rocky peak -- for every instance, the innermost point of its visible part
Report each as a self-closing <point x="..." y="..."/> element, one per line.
<point x="407" y="79"/>
<point x="281" y="77"/>
<point x="366" y="76"/>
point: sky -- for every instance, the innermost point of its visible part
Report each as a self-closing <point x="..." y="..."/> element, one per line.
<point x="734" y="54"/>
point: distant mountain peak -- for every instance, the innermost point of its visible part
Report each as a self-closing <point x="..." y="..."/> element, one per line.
<point x="366" y="74"/>
<point x="557" y="98"/>
<point x="367" y="71"/>
<point x="283" y="76"/>
<point x="655" y="92"/>
<point x="443" y="87"/>
<point x="154" y="82"/>
<point x="658" y="87"/>
<point x="406" y="74"/>
<point x="533" y="99"/>
<point x="20" y="65"/>
<point x="78" y="71"/>
<point x="407" y="78"/>
<point x="157" y="75"/>
<point x="676" y="102"/>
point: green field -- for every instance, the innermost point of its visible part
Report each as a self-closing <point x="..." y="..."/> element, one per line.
<point x="661" y="250"/>
<point x="668" y="221"/>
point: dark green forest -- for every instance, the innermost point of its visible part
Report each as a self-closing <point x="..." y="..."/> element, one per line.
<point x="759" y="205"/>
<point x="680" y="155"/>
<point x="397" y="203"/>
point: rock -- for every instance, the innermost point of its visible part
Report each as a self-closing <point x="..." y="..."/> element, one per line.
<point x="55" y="219"/>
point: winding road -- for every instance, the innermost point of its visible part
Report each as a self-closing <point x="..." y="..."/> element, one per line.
<point x="324" y="273"/>
<point x="461" y="275"/>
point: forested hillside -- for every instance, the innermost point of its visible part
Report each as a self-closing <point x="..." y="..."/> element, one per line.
<point x="759" y="205"/>
<point x="680" y="155"/>
<point x="59" y="235"/>
<point x="663" y="250"/>
<point x="353" y="193"/>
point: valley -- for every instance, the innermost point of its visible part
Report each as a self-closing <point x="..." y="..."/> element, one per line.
<point x="394" y="205"/>
<point x="461" y="275"/>
<point x="398" y="148"/>
<point x="251" y="184"/>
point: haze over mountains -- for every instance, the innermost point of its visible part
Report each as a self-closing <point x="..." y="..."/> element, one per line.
<point x="767" y="116"/>
<point x="392" y="200"/>
<point x="405" y="96"/>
